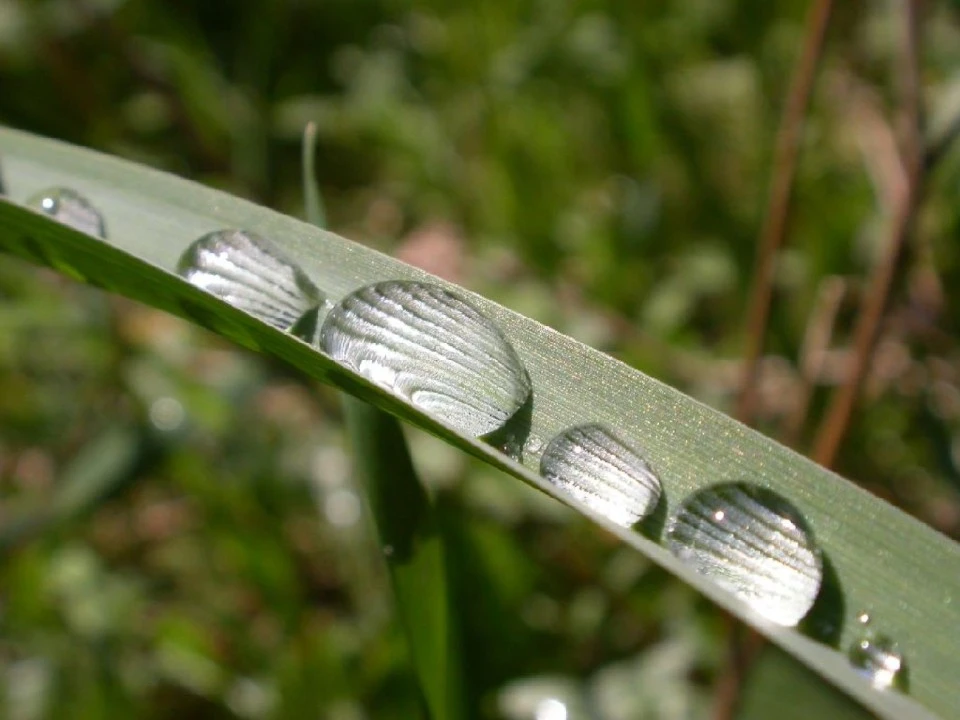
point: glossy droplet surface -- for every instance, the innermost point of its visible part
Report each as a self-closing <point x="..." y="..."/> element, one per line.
<point x="71" y="208"/>
<point x="878" y="658"/>
<point x="533" y="445"/>
<point x="433" y="348"/>
<point x="249" y="272"/>
<point x="599" y="469"/>
<point x="753" y="543"/>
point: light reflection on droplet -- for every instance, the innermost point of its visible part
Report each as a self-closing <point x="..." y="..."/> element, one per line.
<point x="433" y="348"/>
<point x="249" y="272"/>
<point x="70" y="208"/>
<point x="877" y="657"/>
<point x="754" y="544"/>
<point x="533" y="446"/>
<point x="594" y="465"/>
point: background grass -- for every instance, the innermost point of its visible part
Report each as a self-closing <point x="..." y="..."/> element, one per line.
<point x="598" y="166"/>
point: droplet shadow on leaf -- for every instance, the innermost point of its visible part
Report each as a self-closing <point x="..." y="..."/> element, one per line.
<point x="825" y="620"/>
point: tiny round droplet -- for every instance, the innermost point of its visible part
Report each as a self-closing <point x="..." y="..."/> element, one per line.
<point x="249" y="272"/>
<point x="433" y="348"/>
<point x="70" y="208"/>
<point x="753" y="543"/>
<point x="533" y="445"/>
<point x="595" y="466"/>
<point x="877" y="657"/>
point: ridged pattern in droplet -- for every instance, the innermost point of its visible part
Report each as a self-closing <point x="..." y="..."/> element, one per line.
<point x="70" y="208"/>
<point x="249" y="272"/>
<point x="433" y="348"/>
<point x="600" y="470"/>
<point x="753" y="543"/>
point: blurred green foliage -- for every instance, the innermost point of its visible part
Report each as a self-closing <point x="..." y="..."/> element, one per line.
<point x="181" y="536"/>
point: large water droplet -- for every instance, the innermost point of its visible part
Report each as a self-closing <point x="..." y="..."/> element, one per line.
<point x="433" y="348"/>
<point x="753" y="543"/>
<point x="71" y="208"/>
<point x="249" y="272"/>
<point x="877" y="657"/>
<point x="600" y="470"/>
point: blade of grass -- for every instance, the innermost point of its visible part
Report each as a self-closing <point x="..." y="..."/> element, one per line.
<point x="312" y="198"/>
<point x="406" y="522"/>
<point x="906" y="574"/>
<point x="412" y="546"/>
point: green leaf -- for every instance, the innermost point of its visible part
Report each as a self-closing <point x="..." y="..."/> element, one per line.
<point x="904" y="573"/>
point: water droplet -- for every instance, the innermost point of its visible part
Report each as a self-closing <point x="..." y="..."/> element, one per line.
<point x="533" y="446"/>
<point x="433" y="348"/>
<point x="877" y="657"/>
<point x="600" y="470"/>
<point x="71" y="208"/>
<point x="753" y="543"/>
<point x="247" y="271"/>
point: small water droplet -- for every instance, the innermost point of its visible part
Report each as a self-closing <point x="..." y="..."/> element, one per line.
<point x="433" y="348"/>
<point x="70" y="208"/>
<point x="533" y="446"/>
<point x="877" y="657"/>
<point x="249" y="272"/>
<point x="753" y="543"/>
<point x="600" y="470"/>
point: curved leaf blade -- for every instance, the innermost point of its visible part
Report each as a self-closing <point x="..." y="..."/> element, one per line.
<point x="906" y="574"/>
